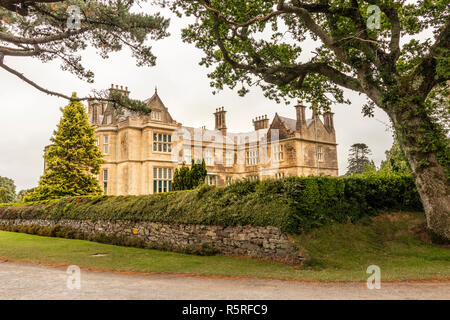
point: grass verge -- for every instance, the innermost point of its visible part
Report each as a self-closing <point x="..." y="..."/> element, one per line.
<point x="339" y="252"/>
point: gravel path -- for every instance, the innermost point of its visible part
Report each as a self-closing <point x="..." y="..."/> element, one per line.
<point x="30" y="281"/>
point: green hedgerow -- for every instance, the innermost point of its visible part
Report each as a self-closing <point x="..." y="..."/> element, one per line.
<point x="293" y="204"/>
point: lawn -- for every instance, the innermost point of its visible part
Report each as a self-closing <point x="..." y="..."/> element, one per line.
<point x="339" y="252"/>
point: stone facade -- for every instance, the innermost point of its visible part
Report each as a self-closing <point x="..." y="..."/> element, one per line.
<point x="142" y="152"/>
<point x="258" y="242"/>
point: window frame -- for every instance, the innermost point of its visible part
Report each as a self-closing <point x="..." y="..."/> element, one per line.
<point x="162" y="179"/>
<point x="162" y="141"/>
<point x="106" y="144"/>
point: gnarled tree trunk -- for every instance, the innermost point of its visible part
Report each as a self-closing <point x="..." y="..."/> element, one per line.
<point x="413" y="129"/>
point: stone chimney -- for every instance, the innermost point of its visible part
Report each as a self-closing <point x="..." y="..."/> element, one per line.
<point x="300" y="111"/>
<point x="220" y="121"/>
<point x="328" y="120"/>
<point x="122" y="89"/>
<point x="261" y="122"/>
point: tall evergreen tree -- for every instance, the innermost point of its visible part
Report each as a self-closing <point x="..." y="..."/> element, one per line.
<point x="198" y="173"/>
<point x="358" y="158"/>
<point x="73" y="160"/>
<point x="187" y="178"/>
<point x="10" y="189"/>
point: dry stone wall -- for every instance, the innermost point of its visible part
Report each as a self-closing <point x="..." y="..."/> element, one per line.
<point x="259" y="242"/>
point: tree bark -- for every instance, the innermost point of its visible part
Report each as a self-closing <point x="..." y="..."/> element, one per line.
<point x="432" y="182"/>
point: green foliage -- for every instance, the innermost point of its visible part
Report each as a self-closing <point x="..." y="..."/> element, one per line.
<point x="73" y="160"/>
<point x="358" y="160"/>
<point x="3" y="195"/>
<point x="9" y="193"/>
<point x="187" y="178"/>
<point x="293" y="204"/>
<point x="395" y="160"/>
<point x="22" y="193"/>
<point x="105" y="25"/>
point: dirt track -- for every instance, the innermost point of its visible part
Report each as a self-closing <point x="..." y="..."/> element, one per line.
<point x="30" y="281"/>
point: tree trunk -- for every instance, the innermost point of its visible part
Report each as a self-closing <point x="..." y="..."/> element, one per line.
<point x="416" y="131"/>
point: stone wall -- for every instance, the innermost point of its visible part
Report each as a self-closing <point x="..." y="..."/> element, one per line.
<point x="258" y="242"/>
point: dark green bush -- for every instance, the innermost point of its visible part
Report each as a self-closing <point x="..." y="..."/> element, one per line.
<point x="292" y="204"/>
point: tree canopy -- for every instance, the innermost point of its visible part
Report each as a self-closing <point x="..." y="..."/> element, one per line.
<point x="395" y="160"/>
<point x="262" y="42"/>
<point x="9" y="189"/>
<point x="47" y="30"/>
<point x="358" y="159"/>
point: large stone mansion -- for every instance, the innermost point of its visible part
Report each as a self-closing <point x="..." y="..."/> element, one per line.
<point x="142" y="152"/>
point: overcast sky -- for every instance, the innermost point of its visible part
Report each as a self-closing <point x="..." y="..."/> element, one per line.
<point x="28" y="116"/>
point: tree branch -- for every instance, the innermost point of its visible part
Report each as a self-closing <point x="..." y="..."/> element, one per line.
<point x="13" y="39"/>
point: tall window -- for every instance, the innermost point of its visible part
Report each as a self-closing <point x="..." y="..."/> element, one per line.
<point x="105" y="181"/>
<point x="162" y="180"/>
<point x="210" y="179"/>
<point x="208" y="156"/>
<point x="229" y="158"/>
<point x="187" y="155"/>
<point x="229" y="180"/>
<point x="252" y="157"/>
<point x="319" y="153"/>
<point x="279" y="175"/>
<point x="156" y="115"/>
<point x="277" y="152"/>
<point x="105" y="144"/>
<point x="162" y="142"/>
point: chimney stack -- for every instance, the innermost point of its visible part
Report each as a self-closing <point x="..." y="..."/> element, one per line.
<point x="300" y="111"/>
<point x="122" y="90"/>
<point x="220" y="123"/>
<point x="261" y="122"/>
<point x="328" y="120"/>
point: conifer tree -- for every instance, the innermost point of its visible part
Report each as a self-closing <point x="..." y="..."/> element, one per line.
<point x="187" y="178"/>
<point x="358" y="158"/>
<point x="73" y="159"/>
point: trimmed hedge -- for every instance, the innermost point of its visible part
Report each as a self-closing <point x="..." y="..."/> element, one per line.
<point x="292" y="204"/>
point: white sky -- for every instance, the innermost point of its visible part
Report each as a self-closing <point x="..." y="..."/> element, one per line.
<point x="28" y="116"/>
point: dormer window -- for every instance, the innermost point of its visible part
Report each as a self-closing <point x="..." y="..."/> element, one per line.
<point x="156" y="115"/>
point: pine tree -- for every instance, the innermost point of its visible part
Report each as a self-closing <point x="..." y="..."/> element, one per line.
<point x="73" y="159"/>
<point x="358" y="158"/>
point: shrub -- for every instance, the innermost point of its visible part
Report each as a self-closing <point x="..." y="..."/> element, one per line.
<point x="293" y="204"/>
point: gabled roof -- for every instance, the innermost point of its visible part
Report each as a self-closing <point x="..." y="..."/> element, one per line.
<point x="155" y="101"/>
<point x="289" y="123"/>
